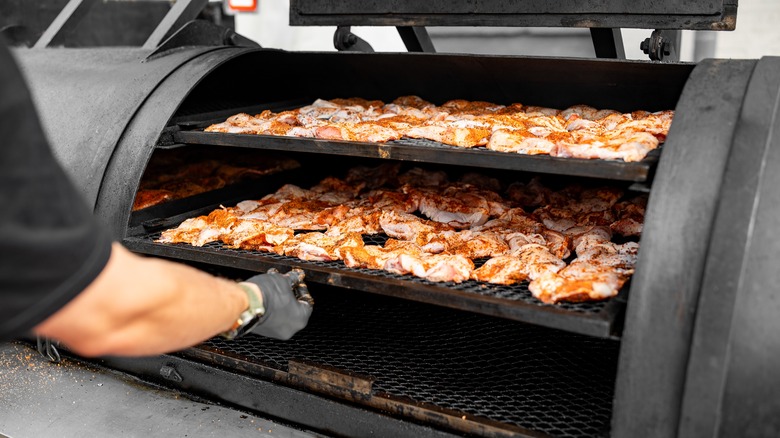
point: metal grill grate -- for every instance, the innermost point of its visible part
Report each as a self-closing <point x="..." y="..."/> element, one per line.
<point x="433" y="152"/>
<point x="544" y="380"/>
<point x="602" y="319"/>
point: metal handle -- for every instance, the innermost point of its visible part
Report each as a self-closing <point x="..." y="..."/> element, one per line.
<point x="299" y="288"/>
<point x="47" y="349"/>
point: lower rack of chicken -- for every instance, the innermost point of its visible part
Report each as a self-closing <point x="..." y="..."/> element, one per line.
<point x="601" y="319"/>
<point x="420" y="150"/>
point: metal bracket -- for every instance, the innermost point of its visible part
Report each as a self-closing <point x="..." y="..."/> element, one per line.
<point x="416" y="39"/>
<point x="67" y="20"/>
<point x="168" y="372"/>
<point x="47" y="349"/>
<point x="346" y="41"/>
<point x="608" y="43"/>
<point x="202" y="33"/>
<point x="181" y="12"/>
<point x="663" y="45"/>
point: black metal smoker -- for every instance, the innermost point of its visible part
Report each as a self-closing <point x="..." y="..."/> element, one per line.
<point x="687" y="350"/>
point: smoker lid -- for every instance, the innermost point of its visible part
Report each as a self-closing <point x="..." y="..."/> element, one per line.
<point x="642" y="14"/>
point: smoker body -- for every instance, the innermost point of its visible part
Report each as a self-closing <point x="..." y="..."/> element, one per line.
<point x="689" y="347"/>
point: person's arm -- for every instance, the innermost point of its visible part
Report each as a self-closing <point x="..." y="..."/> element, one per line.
<point x="145" y="306"/>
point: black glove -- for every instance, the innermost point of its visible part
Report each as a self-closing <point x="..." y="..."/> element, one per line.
<point x="287" y="303"/>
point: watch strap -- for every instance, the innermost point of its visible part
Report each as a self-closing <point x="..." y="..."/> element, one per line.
<point x="250" y="316"/>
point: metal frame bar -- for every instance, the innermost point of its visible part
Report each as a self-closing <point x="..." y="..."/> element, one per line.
<point x="416" y="39"/>
<point x="296" y="406"/>
<point x="608" y="43"/>
<point x="428" y="151"/>
<point x="67" y="20"/>
<point x="181" y="12"/>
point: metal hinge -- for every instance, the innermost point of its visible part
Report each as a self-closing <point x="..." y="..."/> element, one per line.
<point x="663" y="45"/>
<point x="346" y="41"/>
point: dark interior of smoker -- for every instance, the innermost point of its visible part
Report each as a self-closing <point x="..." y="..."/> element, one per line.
<point x="469" y="358"/>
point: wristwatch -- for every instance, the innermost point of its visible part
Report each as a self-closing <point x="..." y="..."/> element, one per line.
<point x="250" y="317"/>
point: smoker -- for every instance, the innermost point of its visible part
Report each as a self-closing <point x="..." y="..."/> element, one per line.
<point x="688" y="348"/>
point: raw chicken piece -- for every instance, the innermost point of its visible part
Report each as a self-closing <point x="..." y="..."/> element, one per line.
<point x="597" y="273"/>
<point x="375" y="257"/>
<point x="627" y="146"/>
<point x="531" y="261"/>
<point x="577" y="282"/>
<point x="519" y="141"/>
<point x="506" y="270"/>
<point x="256" y="235"/>
<point x="453" y="212"/>
<point x="429" y="235"/>
<point x="446" y="133"/>
<point x="630" y="216"/>
<point x="319" y="246"/>
<point x="203" y="229"/>
<point x="437" y="267"/>
<point x="476" y="245"/>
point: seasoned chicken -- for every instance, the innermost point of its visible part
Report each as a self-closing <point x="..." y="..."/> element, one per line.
<point x="319" y="246"/>
<point x="256" y="235"/>
<point x="432" y="267"/>
<point x="577" y="282"/>
<point x="375" y="257"/>
<point x="530" y="261"/>
<point x="579" y="131"/>
<point x="630" y="216"/>
<point x="203" y="229"/>
<point x="467" y="222"/>
<point x="598" y="272"/>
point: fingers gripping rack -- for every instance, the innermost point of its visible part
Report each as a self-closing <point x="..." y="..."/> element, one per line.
<point x="299" y="288"/>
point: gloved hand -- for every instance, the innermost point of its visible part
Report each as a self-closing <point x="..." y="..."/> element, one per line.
<point x="287" y="303"/>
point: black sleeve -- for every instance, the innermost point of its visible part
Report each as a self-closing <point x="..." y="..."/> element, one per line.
<point x="51" y="247"/>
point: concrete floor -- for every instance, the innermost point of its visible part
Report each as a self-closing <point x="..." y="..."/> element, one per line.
<point x="73" y="399"/>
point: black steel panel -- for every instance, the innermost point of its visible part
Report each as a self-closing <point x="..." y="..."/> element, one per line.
<point x="133" y="149"/>
<point x="599" y="319"/>
<point x="732" y="383"/>
<point x="553" y="82"/>
<point x="648" y="14"/>
<point x="659" y="318"/>
<point x="86" y="98"/>
<point x="457" y="371"/>
<point x="433" y="152"/>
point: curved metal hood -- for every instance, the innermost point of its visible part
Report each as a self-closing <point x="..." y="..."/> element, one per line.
<point x="85" y="119"/>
